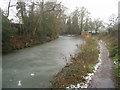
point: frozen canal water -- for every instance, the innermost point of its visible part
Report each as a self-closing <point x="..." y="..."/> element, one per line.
<point x="34" y="67"/>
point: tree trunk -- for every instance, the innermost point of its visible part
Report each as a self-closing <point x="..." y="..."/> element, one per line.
<point x="8" y="8"/>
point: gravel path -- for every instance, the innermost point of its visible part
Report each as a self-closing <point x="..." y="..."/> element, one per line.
<point x="103" y="78"/>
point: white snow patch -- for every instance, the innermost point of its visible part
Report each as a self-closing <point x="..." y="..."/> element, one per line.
<point x="32" y="74"/>
<point x="19" y="83"/>
<point x="115" y="62"/>
<point x="89" y="77"/>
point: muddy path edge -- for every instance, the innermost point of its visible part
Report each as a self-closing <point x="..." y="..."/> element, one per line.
<point x="104" y="76"/>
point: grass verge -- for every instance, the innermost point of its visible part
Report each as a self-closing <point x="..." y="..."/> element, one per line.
<point x="80" y="65"/>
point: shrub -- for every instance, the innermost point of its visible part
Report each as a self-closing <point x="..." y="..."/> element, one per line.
<point x="8" y="33"/>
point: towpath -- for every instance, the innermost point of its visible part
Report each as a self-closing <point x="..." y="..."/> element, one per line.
<point x="103" y="77"/>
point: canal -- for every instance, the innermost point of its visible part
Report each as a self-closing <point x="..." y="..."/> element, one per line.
<point x="34" y="67"/>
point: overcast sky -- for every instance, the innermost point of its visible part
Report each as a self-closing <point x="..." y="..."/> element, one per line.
<point x="98" y="8"/>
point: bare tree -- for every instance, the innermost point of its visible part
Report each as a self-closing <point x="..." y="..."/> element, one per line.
<point x="97" y="24"/>
<point x="83" y="14"/>
<point x="112" y="20"/>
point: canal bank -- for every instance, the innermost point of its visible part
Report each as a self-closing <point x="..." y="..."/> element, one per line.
<point x="87" y="69"/>
<point x="80" y="66"/>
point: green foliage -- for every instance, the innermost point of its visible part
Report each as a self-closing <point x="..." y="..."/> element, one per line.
<point x="73" y="23"/>
<point x="115" y="58"/>
<point x="117" y="69"/>
<point x="113" y="51"/>
<point x="8" y="33"/>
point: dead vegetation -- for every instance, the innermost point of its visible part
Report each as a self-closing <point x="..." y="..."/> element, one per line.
<point x="82" y="63"/>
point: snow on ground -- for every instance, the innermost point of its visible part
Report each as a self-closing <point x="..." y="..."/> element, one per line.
<point x="90" y="75"/>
